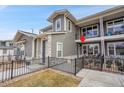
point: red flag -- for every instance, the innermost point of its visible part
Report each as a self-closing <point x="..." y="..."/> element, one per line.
<point x="82" y="38"/>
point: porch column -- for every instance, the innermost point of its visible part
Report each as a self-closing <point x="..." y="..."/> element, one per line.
<point x="37" y="48"/>
<point x="33" y="49"/>
<point x="102" y="35"/>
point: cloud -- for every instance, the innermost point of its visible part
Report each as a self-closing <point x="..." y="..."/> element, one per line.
<point x="3" y="7"/>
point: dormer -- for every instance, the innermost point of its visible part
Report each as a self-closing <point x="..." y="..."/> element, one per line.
<point x="62" y="20"/>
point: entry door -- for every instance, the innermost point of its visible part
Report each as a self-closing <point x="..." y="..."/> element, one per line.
<point x="43" y="50"/>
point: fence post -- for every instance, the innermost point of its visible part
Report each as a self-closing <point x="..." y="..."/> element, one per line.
<point x="82" y="62"/>
<point x="102" y="61"/>
<point x="12" y="69"/>
<point x="48" y="62"/>
<point x="75" y="67"/>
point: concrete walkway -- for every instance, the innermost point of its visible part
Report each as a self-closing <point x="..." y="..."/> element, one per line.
<point x="92" y="78"/>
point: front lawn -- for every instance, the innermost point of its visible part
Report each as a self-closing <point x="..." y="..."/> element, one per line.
<point x="47" y="78"/>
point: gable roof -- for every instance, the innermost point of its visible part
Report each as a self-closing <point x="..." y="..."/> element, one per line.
<point x="20" y="32"/>
<point x="58" y="12"/>
<point x="27" y="33"/>
<point x="46" y="28"/>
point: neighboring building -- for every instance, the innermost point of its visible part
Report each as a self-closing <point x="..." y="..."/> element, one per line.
<point x="24" y="42"/>
<point x="104" y="34"/>
<point x="6" y="48"/>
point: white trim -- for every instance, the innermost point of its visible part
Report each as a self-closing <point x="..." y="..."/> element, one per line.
<point x="92" y="30"/>
<point x="113" y="23"/>
<point x="68" y="25"/>
<point x="93" y="48"/>
<point x="33" y="50"/>
<point x="60" y="22"/>
<point x="114" y="44"/>
<point x="65" y="20"/>
<point x="57" y="43"/>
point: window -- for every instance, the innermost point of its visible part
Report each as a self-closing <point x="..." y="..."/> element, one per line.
<point x="69" y="25"/>
<point x="116" y="49"/>
<point x="59" y="49"/>
<point x="119" y="49"/>
<point x="90" y="49"/>
<point x="96" y="49"/>
<point x="111" y="49"/>
<point x="4" y="51"/>
<point x="3" y="43"/>
<point x="90" y="31"/>
<point x="58" y="25"/>
<point x="115" y="27"/>
<point x="84" y="49"/>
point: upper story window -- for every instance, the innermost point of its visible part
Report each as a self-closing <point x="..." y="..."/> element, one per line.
<point x="3" y="43"/>
<point x="69" y="26"/>
<point x="115" y="27"/>
<point x="90" y="31"/>
<point x="58" y="25"/>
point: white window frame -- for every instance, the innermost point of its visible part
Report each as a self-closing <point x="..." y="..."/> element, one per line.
<point x="70" y="26"/>
<point x="113" y="23"/>
<point x="86" y="49"/>
<point x="114" y="43"/>
<point x="108" y="44"/>
<point x="58" y="43"/>
<point x="92" y="30"/>
<point x="93" y="48"/>
<point x="58" y="20"/>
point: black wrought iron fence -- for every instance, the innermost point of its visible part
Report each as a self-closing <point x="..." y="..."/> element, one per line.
<point x="93" y="62"/>
<point x="63" y="64"/>
<point x="14" y="68"/>
<point x="115" y="65"/>
<point x="79" y="64"/>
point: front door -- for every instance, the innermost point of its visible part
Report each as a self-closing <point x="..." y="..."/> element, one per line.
<point x="43" y="50"/>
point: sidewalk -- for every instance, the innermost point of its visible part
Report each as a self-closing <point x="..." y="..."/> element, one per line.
<point x="92" y="78"/>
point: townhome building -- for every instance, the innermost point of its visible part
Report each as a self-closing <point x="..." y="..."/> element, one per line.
<point x="23" y="42"/>
<point x="6" y="47"/>
<point x="104" y="33"/>
<point x="57" y="39"/>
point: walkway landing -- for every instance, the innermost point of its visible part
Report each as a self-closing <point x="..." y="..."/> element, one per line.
<point x="92" y="78"/>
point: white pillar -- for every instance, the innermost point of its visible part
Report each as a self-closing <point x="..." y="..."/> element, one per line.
<point x="102" y="35"/>
<point x="37" y="48"/>
<point x="64" y="23"/>
<point x="33" y="50"/>
<point x="41" y="49"/>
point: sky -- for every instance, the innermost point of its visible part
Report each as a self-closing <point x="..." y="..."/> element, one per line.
<point x="13" y="18"/>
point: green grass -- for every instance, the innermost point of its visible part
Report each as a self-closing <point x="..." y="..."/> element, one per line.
<point x="47" y="78"/>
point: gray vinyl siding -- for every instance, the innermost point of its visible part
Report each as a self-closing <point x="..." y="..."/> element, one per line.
<point x="28" y="45"/>
<point x="68" y="40"/>
<point x="62" y="22"/>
